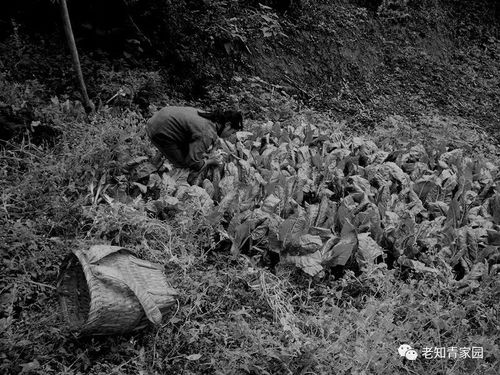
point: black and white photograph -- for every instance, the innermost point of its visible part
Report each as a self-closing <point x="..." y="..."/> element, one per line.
<point x="250" y="187"/>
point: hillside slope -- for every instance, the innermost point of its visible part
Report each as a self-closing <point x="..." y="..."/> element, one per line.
<point x="415" y="61"/>
<point x="362" y="60"/>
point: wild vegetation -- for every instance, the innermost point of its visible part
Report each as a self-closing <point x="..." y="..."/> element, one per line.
<point x="358" y="211"/>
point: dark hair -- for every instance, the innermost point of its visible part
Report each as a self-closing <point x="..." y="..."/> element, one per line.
<point x="235" y="118"/>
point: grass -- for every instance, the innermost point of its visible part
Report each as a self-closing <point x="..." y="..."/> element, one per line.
<point x="232" y="318"/>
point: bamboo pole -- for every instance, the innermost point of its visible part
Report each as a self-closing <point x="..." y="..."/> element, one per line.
<point x="89" y="107"/>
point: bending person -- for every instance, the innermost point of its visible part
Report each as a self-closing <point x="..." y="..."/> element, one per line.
<point x="185" y="134"/>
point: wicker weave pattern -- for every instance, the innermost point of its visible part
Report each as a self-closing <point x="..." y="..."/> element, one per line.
<point x="107" y="290"/>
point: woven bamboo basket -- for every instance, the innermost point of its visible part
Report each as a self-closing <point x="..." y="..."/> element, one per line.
<point x="108" y="290"/>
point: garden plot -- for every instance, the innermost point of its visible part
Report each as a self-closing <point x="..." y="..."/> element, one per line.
<point x="319" y="199"/>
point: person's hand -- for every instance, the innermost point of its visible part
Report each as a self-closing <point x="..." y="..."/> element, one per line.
<point x="212" y="162"/>
<point x="216" y="159"/>
<point x="220" y="156"/>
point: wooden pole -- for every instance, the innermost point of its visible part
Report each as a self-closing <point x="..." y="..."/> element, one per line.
<point x="89" y="107"/>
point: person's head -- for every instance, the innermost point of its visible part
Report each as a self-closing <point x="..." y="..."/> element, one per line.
<point x="227" y="122"/>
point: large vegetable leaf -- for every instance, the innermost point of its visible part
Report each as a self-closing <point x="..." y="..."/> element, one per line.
<point x="342" y="251"/>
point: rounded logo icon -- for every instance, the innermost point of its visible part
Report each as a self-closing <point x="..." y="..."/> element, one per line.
<point x="403" y="349"/>
<point x="411" y="354"/>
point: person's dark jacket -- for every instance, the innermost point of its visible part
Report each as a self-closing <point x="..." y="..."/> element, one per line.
<point x="182" y="135"/>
